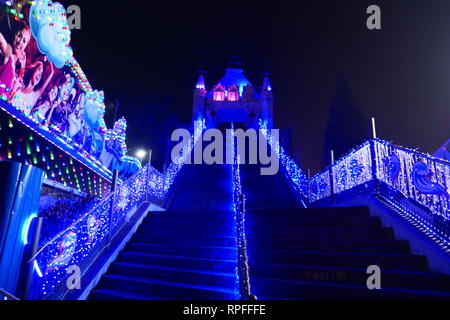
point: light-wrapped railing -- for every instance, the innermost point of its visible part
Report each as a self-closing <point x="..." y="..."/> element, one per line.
<point x="243" y="287"/>
<point x="402" y="177"/>
<point x="320" y="186"/>
<point x="177" y="164"/>
<point x="243" y="276"/>
<point x="7" y="296"/>
<point x="419" y="177"/>
<point x="294" y="174"/>
<point x="78" y="246"/>
<point x="351" y="171"/>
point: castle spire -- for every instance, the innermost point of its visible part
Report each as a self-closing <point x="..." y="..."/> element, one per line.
<point x="267" y="87"/>
<point x="198" y="110"/>
<point x="201" y="81"/>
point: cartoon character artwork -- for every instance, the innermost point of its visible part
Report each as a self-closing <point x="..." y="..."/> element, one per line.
<point x="421" y="177"/>
<point x="94" y="139"/>
<point x="66" y="250"/>
<point x="75" y="118"/>
<point x="393" y="166"/>
<point x="50" y="28"/>
<point x="114" y="147"/>
<point x="94" y="143"/>
<point x="93" y="227"/>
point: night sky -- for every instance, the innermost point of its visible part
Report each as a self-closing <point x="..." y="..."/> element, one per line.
<point x="146" y="53"/>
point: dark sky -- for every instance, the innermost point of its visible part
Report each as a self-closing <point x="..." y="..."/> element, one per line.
<point x="144" y="52"/>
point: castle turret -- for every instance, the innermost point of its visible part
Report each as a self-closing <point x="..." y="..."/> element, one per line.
<point x="233" y="99"/>
<point x="198" y="110"/>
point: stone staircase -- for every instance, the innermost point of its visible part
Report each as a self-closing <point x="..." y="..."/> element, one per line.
<point x="175" y="255"/>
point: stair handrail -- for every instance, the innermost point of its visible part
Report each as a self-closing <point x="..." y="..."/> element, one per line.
<point x="396" y="173"/>
<point x="107" y="206"/>
<point x="8" y="295"/>
<point x="107" y="198"/>
<point x="297" y="179"/>
<point x="117" y="212"/>
<point x="239" y="209"/>
<point x="61" y="233"/>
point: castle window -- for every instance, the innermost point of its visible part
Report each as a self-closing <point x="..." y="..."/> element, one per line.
<point x="219" y="93"/>
<point x="233" y="93"/>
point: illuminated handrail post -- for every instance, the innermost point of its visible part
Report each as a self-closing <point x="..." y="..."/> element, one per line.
<point x="8" y="296"/>
<point x="373" y="159"/>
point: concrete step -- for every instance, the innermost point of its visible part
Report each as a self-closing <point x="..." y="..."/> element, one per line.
<point x="356" y="276"/>
<point x="229" y="253"/>
<point x="189" y="226"/>
<point x="301" y="290"/>
<point x="108" y="294"/>
<point x="178" y="261"/>
<point x="381" y="246"/>
<point x="326" y="220"/>
<point x="341" y="259"/>
<point x="276" y="213"/>
<point x="186" y="240"/>
<point x="200" y="277"/>
<point x="325" y="233"/>
<point x="165" y="289"/>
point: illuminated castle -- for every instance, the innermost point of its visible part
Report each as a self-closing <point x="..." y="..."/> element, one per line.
<point x="233" y="99"/>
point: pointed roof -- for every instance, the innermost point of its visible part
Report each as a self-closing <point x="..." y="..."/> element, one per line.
<point x="233" y="76"/>
<point x="266" y="84"/>
<point x="200" y="82"/>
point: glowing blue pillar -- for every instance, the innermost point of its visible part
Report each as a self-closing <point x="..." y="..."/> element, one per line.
<point x="20" y="189"/>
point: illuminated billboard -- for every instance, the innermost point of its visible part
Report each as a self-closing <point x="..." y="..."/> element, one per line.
<point x="41" y="81"/>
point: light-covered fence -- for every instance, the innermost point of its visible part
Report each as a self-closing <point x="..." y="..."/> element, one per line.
<point x="295" y="175"/>
<point x="404" y="178"/>
<point x="418" y="177"/>
<point x="77" y="247"/>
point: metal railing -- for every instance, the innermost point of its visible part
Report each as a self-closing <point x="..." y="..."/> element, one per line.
<point x="351" y="171"/>
<point x="413" y="182"/>
<point x="243" y="274"/>
<point x="7" y="296"/>
<point x="78" y="246"/>
<point x="294" y="174"/>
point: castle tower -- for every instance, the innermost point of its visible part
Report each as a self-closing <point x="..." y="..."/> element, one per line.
<point x="233" y="99"/>
<point x="198" y="111"/>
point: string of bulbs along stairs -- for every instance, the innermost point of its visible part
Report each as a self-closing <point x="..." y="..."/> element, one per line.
<point x="190" y="251"/>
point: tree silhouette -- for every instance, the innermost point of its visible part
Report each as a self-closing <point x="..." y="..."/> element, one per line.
<point x="347" y="126"/>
